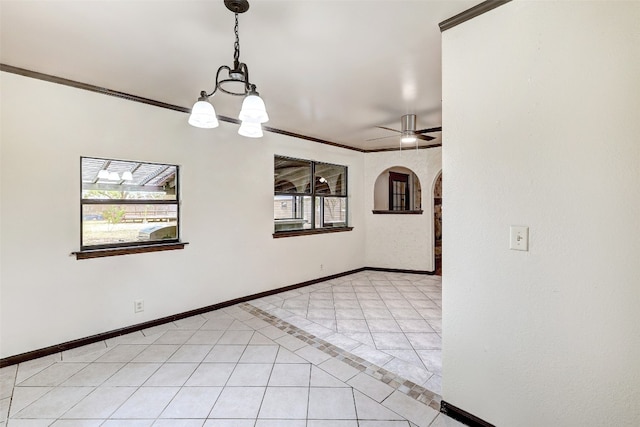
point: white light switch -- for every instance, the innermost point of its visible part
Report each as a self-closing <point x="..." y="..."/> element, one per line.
<point x="519" y="238"/>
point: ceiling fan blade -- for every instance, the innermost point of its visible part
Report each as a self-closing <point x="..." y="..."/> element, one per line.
<point x="382" y="137"/>
<point x="436" y="129"/>
<point x="392" y="130"/>
<point x="432" y="146"/>
<point x="425" y="137"/>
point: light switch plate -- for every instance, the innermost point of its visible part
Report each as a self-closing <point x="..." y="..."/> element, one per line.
<point x="519" y="238"/>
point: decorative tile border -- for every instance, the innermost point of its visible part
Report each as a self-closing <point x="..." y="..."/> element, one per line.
<point x="403" y="385"/>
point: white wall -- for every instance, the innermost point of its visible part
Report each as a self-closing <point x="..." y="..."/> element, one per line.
<point x="541" y="123"/>
<point x="48" y="297"/>
<point x="401" y="241"/>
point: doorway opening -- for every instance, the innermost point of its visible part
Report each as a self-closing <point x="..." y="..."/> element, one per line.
<point x="437" y="224"/>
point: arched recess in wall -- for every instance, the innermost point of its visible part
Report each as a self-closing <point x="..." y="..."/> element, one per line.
<point x="397" y="190"/>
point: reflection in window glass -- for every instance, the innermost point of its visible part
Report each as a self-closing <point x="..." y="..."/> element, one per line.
<point x="329" y="179"/>
<point x="292" y="175"/>
<point x="126" y="203"/>
<point x="298" y="206"/>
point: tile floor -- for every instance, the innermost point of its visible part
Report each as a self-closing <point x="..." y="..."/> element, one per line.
<point x="301" y="358"/>
<point x="392" y="320"/>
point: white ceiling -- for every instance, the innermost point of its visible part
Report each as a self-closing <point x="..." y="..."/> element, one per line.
<point x="331" y="70"/>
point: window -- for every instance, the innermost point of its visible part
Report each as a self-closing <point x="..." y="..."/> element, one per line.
<point x="309" y="195"/>
<point x="398" y="191"/>
<point x="128" y="204"/>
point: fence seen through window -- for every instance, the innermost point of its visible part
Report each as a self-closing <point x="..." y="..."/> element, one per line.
<point x="128" y="203"/>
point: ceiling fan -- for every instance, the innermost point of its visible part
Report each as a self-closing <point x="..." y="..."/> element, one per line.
<point x="409" y="132"/>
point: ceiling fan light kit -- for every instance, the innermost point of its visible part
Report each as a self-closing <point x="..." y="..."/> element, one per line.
<point x="253" y="112"/>
<point x="408" y="132"/>
<point x="408" y="122"/>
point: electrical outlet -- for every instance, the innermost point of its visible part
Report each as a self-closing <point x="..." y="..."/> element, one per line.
<point x="138" y="306"/>
<point x="321" y="266"/>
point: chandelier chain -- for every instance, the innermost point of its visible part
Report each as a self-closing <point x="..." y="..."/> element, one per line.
<point x="236" y="55"/>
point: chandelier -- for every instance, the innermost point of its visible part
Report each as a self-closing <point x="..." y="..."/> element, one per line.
<point x="253" y="112"/>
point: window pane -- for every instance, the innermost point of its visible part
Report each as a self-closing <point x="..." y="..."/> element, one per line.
<point x="292" y="175"/>
<point x="104" y="179"/>
<point x="292" y="212"/>
<point x="122" y="224"/>
<point x="335" y="211"/>
<point x="331" y="179"/>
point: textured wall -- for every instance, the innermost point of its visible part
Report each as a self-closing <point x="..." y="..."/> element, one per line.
<point x="49" y="297"/>
<point x="401" y="241"/>
<point x="540" y="107"/>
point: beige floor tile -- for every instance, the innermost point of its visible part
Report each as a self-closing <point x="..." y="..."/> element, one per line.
<point x="210" y="337"/>
<point x="369" y="409"/>
<point x="377" y="390"/>
<point x="156" y="353"/>
<point x="290" y="375"/>
<point x="250" y="374"/>
<point x="331" y="403"/>
<point x="238" y="402"/>
<point x="236" y="337"/>
<point x="25" y="396"/>
<point x="192" y="402"/>
<point x="54" y="375"/>
<point x="122" y="353"/>
<point x="285" y="403"/>
<point x="55" y="403"/>
<point x="225" y="353"/>
<point x="93" y="374"/>
<point x="100" y="403"/>
<point x="133" y="374"/>
<point x="259" y="354"/>
<point x="281" y="423"/>
<point x="414" y="411"/>
<point x="287" y="356"/>
<point x="320" y="378"/>
<point x="211" y="374"/>
<point x="77" y="423"/>
<point x="312" y="354"/>
<point x="171" y="374"/>
<point x="190" y="353"/>
<point x="179" y="422"/>
<point x="174" y="336"/>
<point x="339" y="369"/>
<point x="146" y="403"/>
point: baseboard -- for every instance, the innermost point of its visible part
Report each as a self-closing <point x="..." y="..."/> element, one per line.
<point x="462" y="415"/>
<point x="35" y="354"/>
<point x="397" y="270"/>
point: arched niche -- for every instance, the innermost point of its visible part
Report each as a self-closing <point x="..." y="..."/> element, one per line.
<point x="384" y="192"/>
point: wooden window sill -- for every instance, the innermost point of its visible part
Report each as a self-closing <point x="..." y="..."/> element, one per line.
<point x="294" y="233"/>
<point x="99" y="253"/>
<point x="414" y="212"/>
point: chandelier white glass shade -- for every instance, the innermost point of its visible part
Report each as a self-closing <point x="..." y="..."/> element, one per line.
<point x="203" y="115"/>
<point x="250" y="129"/>
<point x="253" y="112"/>
<point x="253" y="109"/>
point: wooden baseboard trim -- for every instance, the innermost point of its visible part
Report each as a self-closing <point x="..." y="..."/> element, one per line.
<point x="462" y="415"/>
<point x="398" y="270"/>
<point x="35" y="354"/>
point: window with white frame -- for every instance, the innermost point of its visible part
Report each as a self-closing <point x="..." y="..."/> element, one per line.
<point x="308" y="195"/>
<point x="128" y="203"/>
